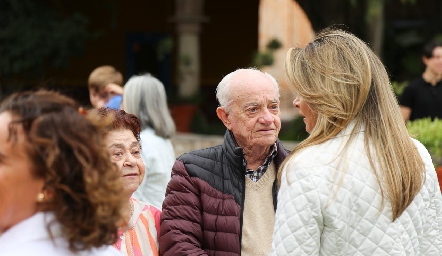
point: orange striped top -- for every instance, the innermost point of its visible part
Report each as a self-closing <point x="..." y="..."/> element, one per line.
<point x="140" y="238"/>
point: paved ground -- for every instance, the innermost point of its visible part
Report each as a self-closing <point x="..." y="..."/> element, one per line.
<point x="185" y="142"/>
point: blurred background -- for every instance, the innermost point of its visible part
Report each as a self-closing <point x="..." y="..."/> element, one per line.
<point x="191" y="44"/>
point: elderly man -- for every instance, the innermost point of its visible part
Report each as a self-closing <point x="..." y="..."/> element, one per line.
<point x="222" y="200"/>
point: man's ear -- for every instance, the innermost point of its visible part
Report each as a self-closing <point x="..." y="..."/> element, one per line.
<point x="425" y="60"/>
<point x="223" y="116"/>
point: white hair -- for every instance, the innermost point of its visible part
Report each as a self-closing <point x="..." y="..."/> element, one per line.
<point x="223" y="94"/>
<point x="145" y="97"/>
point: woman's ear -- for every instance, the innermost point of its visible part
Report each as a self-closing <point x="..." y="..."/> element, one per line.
<point x="223" y="116"/>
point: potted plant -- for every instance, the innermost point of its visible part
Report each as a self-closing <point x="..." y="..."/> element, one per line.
<point x="183" y="110"/>
<point x="187" y="96"/>
<point x="265" y="58"/>
<point x="429" y="133"/>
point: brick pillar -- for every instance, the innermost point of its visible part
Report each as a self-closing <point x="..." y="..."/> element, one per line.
<point x="188" y="18"/>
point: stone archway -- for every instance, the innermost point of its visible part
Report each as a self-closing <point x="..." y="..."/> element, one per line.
<point x="287" y="22"/>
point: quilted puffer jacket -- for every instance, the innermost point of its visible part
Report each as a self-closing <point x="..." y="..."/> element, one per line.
<point x="202" y="211"/>
<point x="314" y="217"/>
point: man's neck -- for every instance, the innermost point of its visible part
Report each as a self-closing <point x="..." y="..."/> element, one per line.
<point x="256" y="157"/>
<point x="431" y="77"/>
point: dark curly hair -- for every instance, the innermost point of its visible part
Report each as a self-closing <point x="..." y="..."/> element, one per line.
<point x="68" y="152"/>
<point x="114" y="119"/>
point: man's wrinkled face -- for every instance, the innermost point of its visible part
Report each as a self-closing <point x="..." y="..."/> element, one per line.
<point x="253" y="115"/>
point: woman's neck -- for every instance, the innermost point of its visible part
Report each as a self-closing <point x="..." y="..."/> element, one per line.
<point x="128" y="210"/>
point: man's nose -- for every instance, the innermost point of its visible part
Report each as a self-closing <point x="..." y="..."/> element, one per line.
<point x="267" y="118"/>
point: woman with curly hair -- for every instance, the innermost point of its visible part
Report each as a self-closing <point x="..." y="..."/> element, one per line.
<point x="59" y="194"/>
<point x="139" y="235"/>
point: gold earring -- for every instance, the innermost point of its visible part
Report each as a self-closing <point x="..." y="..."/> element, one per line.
<point x="40" y="197"/>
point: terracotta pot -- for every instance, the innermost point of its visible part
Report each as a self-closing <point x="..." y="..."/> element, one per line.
<point x="182" y="115"/>
<point x="439" y="175"/>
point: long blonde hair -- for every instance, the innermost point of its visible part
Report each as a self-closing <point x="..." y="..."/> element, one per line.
<point x="342" y="80"/>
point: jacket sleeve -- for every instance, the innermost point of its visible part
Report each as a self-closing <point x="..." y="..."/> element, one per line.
<point x="431" y="241"/>
<point x="180" y="231"/>
<point x="298" y="219"/>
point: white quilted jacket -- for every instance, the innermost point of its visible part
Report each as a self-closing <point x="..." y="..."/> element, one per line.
<point x="309" y="223"/>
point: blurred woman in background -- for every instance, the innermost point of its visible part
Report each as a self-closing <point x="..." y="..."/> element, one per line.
<point x="145" y="97"/>
<point x="59" y="194"/>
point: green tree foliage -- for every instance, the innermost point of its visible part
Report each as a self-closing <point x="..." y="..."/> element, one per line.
<point x="35" y="35"/>
<point x="429" y="133"/>
<point x="265" y="58"/>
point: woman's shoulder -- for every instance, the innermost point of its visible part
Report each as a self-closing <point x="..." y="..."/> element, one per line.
<point x="322" y="160"/>
<point x="148" y="215"/>
<point x="58" y="246"/>
<point x="149" y="133"/>
<point x="149" y="138"/>
<point x="147" y="209"/>
<point x="319" y="152"/>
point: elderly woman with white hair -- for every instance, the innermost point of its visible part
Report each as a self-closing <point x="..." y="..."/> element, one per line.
<point x="145" y="97"/>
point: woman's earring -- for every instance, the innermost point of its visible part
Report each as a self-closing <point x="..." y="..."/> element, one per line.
<point x="40" y="197"/>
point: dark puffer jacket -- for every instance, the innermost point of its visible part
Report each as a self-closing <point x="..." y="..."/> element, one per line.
<point x="202" y="211"/>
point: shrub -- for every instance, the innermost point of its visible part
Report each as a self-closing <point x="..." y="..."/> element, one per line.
<point x="429" y="133"/>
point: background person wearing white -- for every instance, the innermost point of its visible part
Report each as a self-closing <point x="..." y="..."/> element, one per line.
<point x="145" y="97"/>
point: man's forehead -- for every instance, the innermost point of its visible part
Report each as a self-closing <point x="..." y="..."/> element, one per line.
<point x="255" y="101"/>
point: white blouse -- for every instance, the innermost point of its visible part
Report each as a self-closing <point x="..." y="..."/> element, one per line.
<point x="30" y="237"/>
<point x="158" y="157"/>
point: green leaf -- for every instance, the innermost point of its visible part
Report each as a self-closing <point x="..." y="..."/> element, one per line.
<point x="429" y="133"/>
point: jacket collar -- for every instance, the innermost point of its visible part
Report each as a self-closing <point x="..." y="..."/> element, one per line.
<point x="235" y="154"/>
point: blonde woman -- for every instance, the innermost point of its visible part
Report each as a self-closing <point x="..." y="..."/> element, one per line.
<point x="358" y="185"/>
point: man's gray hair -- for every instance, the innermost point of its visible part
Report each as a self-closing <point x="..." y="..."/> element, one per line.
<point x="223" y="94"/>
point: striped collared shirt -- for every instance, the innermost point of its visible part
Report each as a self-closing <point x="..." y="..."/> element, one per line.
<point x="255" y="175"/>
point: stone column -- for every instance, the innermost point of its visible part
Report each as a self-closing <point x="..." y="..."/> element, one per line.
<point x="188" y="18"/>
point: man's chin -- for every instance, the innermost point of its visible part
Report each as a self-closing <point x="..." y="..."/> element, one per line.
<point x="266" y="140"/>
